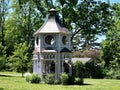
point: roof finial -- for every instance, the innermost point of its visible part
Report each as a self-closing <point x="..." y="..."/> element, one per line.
<point x="52" y="10"/>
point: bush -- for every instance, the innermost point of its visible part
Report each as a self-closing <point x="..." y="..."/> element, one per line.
<point x="27" y="76"/>
<point x="95" y="70"/>
<point x="49" y="78"/>
<point x="79" y="81"/>
<point x="113" y="74"/>
<point x="71" y="80"/>
<point x="78" y="69"/>
<point x="64" y="78"/>
<point x="57" y="82"/>
<point x="34" y="78"/>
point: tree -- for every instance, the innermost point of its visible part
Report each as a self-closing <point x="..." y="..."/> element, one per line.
<point x="110" y="52"/>
<point x="85" y="19"/>
<point x="92" y="68"/>
<point x="19" y="59"/>
<point x="2" y="57"/>
<point x="26" y="16"/>
<point x="21" y="24"/>
<point x="111" y="47"/>
<point x="94" y="54"/>
<point x="3" y="14"/>
<point x="88" y="18"/>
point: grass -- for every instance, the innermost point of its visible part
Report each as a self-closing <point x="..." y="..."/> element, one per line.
<point x="10" y="73"/>
<point x="18" y="83"/>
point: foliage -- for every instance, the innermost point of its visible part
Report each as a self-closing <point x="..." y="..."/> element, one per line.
<point x="25" y="16"/>
<point x="23" y="20"/>
<point x="20" y="58"/>
<point x="111" y="47"/>
<point x="94" y="69"/>
<point x="49" y="79"/>
<point x="71" y="80"/>
<point x="2" y="57"/>
<point x="34" y="78"/>
<point x="78" y="69"/>
<point x="79" y="81"/>
<point x="93" y="53"/>
<point x="77" y="54"/>
<point x="4" y="6"/>
<point x="64" y="78"/>
<point x="28" y="78"/>
<point x="27" y="74"/>
<point x="96" y="20"/>
<point x="113" y="73"/>
<point x="57" y="81"/>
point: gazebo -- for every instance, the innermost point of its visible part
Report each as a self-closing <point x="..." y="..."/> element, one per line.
<point x="52" y="47"/>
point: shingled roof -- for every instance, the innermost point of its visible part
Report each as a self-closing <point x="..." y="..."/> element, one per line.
<point x="52" y="24"/>
<point x="83" y="60"/>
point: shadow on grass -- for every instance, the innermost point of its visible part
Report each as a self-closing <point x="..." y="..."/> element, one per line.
<point x="1" y="75"/>
<point x="86" y="84"/>
<point x="1" y="88"/>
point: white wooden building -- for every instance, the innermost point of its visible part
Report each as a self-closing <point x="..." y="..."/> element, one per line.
<point x="52" y="50"/>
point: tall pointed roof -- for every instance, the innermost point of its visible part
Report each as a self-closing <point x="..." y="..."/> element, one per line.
<point x="52" y="24"/>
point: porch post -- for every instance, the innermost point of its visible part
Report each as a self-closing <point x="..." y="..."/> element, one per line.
<point x="70" y="68"/>
<point x="62" y="65"/>
<point x="55" y="61"/>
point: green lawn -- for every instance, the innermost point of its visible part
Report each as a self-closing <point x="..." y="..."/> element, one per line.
<point x="19" y="83"/>
<point x="10" y="73"/>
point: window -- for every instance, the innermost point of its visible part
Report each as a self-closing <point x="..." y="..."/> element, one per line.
<point x="37" y="40"/>
<point x="64" y="40"/>
<point x="49" y="40"/>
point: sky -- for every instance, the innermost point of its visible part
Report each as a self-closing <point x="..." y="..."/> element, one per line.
<point x="112" y="1"/>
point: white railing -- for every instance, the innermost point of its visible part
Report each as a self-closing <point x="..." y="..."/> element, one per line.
<point x="49" y="56"/>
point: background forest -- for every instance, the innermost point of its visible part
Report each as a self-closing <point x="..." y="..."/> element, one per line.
<point x="86" y="19"/>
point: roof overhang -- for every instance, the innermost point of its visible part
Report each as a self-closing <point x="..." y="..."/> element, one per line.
<point x="49" y="51"/>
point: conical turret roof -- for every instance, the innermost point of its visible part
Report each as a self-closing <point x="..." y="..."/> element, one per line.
<point x="52" y="24"/>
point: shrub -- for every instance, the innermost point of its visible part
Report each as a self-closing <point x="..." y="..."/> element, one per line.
<point x="78" y="69"/>
<point x="113" y="73"/>
<point x="28" y="78"/>
<point x="95" y="70"/>
<point x="27" y="74"/>
<point x="71" y="80"/>
<point x="64" y="78"/>
<point x="79" y="81"/>
<point x="34" y="78"/>
<point x="49" y="78"/>
<point x="57" y="82"/>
